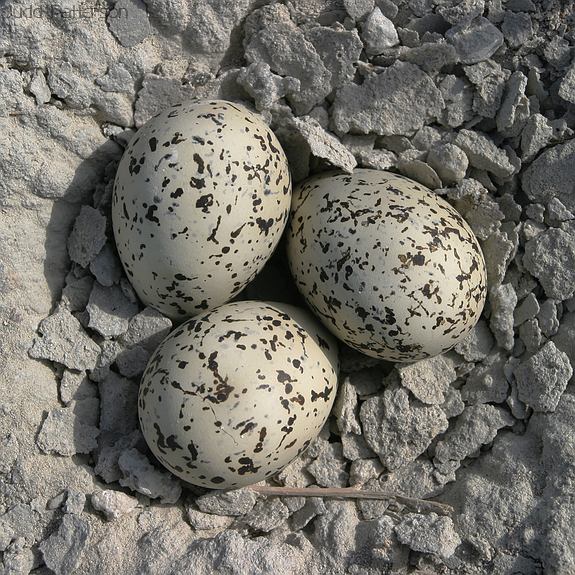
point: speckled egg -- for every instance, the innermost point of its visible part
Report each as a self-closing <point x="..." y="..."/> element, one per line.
<point x="201" y="198"/>
<point x="388" y="266"/>
<point x="234" y="395"/>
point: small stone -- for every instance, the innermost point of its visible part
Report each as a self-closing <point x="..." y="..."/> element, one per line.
<point x="489" y="80"/>
<point x="132" y="362"/>
<point x="461" y="11"/>
<point x="88" y="236"/>
<point x="339" y="51"/>
<point x="431" y="57"/>
<point x="63" y="340"/>
<point x="528" y="308"/>
<point x="429" y="533"/>
<point x="484" y="154"/>
<point x="399" y="430"/>
<point x="357" y="9"/>
<point x="514" y="110"/>
<point x="449" y="161"/>
<point x="550" y="257"/>
<point x="428" y="379"/>
<point x="378" y="33"/>
<point x="129" y="23"/>
<point x="111" y="450"/>
<point x="266" y="515"/>
<point x="536" y="134"/>
<point x="206" y="521"/>
<point x="110" y="310"/>
<point x="476" y="426"/>
<point x="113" y="504"/>
<point x="517" y="28"/>
<point x="458" y="97"/>
<point x="39" y="88"/>
<point x="141" y="476"/>
<point x="63" y="550"/>
<point x="329" y="468"/>
<point x="119" y="404"/>
<point x="535" y="212"/>
<point x="76" y="292"/>
<point x="487" y="382"/>
<point x="547" y="318"/>
<point x="453" y="404"/>
<point x="477" y="345"/>
<point x="362" y="470"/>
<point x="355" y="447"/>
<point x="420" y="172"/>
<point x="147" y="329"/>
<point x="265" y="87"/>
<point x="552" y="175"/>
<point x="324" y="145"/>
<point x="542" y="379"/>
<point x="475" y="41"/>
<point x="109" y="351"/>
<point x="234" y="502"/>
<point x="64" y="433"/>
<point x="18" y="558"/>
<point x="345" y="408"/>
<point x="503" y="300"/>
<point x="530" y="335"/>
<point x="75" y="502"/>
<point x="313" y="507"/>
<point x="557" y="213"/>
<point x="75" y="385"/>
<point x="106" y="266"/>
<point x="398" y="100"/>
<point x="567" y="86"/>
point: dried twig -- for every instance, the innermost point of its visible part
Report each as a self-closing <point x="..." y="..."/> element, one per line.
<point x="420" y="505"/>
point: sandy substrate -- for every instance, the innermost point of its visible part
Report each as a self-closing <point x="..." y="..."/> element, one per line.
<point x="474" y="99"/>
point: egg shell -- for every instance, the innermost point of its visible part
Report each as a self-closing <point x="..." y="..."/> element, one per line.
<point x="234" y="395"/>
<point x="388" y="266"/>
<point x="200" y="201"/>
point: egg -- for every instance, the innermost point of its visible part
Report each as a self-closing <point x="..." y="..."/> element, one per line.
<point x="234" y="395"/>
<point x="200" y="200"/>
<point x="388" y="266"/>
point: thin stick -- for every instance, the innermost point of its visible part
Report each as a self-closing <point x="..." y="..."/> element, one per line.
<point x="353" y="493"/>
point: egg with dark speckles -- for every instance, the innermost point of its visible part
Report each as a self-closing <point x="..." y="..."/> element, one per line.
<point x="200" y="201"/>
<point x="389" y="267"/>
<point x="232" y="396"/>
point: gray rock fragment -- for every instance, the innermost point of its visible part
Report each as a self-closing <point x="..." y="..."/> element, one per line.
<point x="109" y="351"/>
<point x="362" y="470"/>
<point x="429" y="533"/>
<point x="206" y="521"/>
<point x="110" y="310"/>
<point x="477" y="345"/>
<point x="475" y="41"/>
<point x="313" y="507"/>
<point x="265" y="87"/>
<point x="461" y="11"/>
<point x="557" y="213"/>
<point x="132" y="362"/>
<point x="119" y="404"/>
<point x="141" y="476"/>
<point x="324" y="145"/>
<point x="339" y="50"/>
<point x="398" y="100"/>
<point x="517" y="28"/>
<point x="64" y="433"/>
<point x="476" y="426"/>
<point x="536" y="134"/>
<point x="129" y="23"/>
<point x="106" y="266"/>
<point x="503" y="300"/>
<point x="431" y="57"/>
<point x="420" y="172"/>
<point x="550" y="257"/>
<point x="453" y="404"/>
<point x="272" y="37"/>
<point x="75" y="502"/>
<point x="449" y="161"/>
<point x="113" y="504"/>
<point x="399" y="430"/>
<point x="266" y="515"/>
<point x="345" y="408"/>
<point x="458" y="97"/>
<point x="484" y="154"/>
<point x="76" y="292"/>
<point x="530" y="335"/>
<point x="146" y="329"/>
<point x="378" y="33"/>
<point x="547" y="318"/>
<point x="514" y="110"/>
<point x="567" y="86"/>
<point x="542" y="379"/>
<point x="355" y="447"/>
<point x="62" y="551"/>
<point x="329" y="468"/>
<point x="489" y="80"/>
<point x="110" y="451"/>
<point x="234" y="502"/>
<point x="357" y="9"/>
<point x="551" y="176"/>
<point x="74" y="386"/>
<point x="39" y="88"/>
<point x="528" y="308"/>
<point x="18" y="558"/>
<point x="428" y="379"/>
<point x="487" y="383"/>
<point x="88" y="236"/>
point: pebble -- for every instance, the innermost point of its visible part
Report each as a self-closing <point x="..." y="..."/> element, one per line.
<point x="428" y="379"/>
<point x="503" y="300"/>
<point x="146" y="329"/>
<point x="113" y="504"/>
<point x="345" y="408"/>
<point x="106" y="266"/>
<point x="517" y="28"/>
<point x="378" y="33"/>
<point x="266" y="515"/>
<point x="475" y="41"/>
<point x="477" y="345"/>
<point x="110" y="310"/>
<point x="489" y="80"/>
<point x="449" y="162"/>
<point x="547" y="318"/>
<point x="429" y="533"/>
<point x="233" y="503"/>
<point x="528" y="308"/>
<point x="74" y="386"/>
<point x="542" y="379"/>
<point x="567" y="85"/>
<point x="129" y="23"/>
<point x="132" y="362"/>
<point x="531" y="336"/>
<point x="119" y="404"/>
<point x="484" y="154"/>
<point x="486" y="383"/>
<point x="88" y="236"/>
<point x="206" y="521"/>
<point x="329" y="469"/>
<point x="357" y="9"/>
